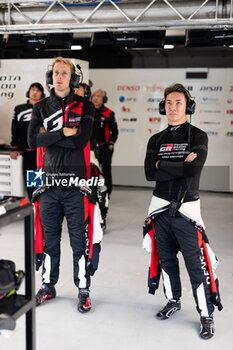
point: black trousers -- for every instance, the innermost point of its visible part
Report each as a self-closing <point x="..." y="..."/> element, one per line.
<point x="105" y="160"/>
<point x="56" y="203"/>
<point x="29" y="163"/>
<point x="174" y="234"/>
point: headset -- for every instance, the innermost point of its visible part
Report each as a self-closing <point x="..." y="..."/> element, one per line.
<point x="190" y="104"/>
<point x="87" y="90"/>
<point x="74" y="80"/>
<point x="105" y="97"/>
<point x="38" y="86"/>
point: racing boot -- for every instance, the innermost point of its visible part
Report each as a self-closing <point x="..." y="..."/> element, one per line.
<point x="84" y="301"/>
<point x="207" y="327"/>
<point x="46" y="292"/>
<point x="168" y="310"/>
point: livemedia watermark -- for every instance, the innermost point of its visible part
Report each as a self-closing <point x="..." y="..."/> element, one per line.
<point x="38" y="178"/>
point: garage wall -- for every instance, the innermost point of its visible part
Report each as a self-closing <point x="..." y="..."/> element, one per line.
<point x="134" y="95"/>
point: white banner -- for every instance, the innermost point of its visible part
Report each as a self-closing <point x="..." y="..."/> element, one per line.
<point x="134" y="95"/>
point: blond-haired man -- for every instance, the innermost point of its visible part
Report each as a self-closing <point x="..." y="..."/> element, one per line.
<point x="62" y="123"/>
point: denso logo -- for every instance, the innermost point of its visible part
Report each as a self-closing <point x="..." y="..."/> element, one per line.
<point x="230" y="111"/>
<point x="231" y="122"/>
<point x="229" y="102"/>
<point x="128" y="88"/>
<point x="211" y="88"/>
<point x="231" y="88"/>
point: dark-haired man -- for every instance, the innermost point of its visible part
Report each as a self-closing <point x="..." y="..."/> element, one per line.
<point x="19" y="127"/>
<point x="174" y="159"/>
<point x="83" y="90"/>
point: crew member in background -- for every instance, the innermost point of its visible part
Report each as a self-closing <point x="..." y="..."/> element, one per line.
<point x="83" y="90"/>
<point x="20" y="123"/>
<point x="107" y="135"/>
<point x="99" y="193"/>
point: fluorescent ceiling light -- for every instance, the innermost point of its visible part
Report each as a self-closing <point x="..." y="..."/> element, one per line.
<point x="230" y="46"/>
<point x="76" y="47"/>
<point x="168" y="46"/>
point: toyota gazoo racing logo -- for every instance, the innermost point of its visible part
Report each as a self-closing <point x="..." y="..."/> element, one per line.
<point x="174" y="147"/>
<point x="166" y="148"/>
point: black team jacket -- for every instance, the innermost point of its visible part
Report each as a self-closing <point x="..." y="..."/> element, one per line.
<point x="63" y="155"/>
<point x="106" y="131"/>
<point x="19" y="127"/>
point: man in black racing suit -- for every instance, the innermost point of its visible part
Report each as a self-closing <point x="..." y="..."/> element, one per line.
<point x="62" y="123"/>
<point x="174" y="159"/>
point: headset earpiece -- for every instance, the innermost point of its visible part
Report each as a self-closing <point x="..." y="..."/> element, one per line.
<point x="190" y="107"/>
<point x="162" y="107"/>
<point x="105" y="97"/>
<point x="49" y="77"/>
<point x="87" y="92"/>
<point x="75" y="78"/>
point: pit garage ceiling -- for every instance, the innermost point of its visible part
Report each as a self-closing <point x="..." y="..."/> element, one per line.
<point x="33" y="17"/>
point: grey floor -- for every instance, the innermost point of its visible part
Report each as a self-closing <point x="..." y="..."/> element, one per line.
<point x="122" y="316"/>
